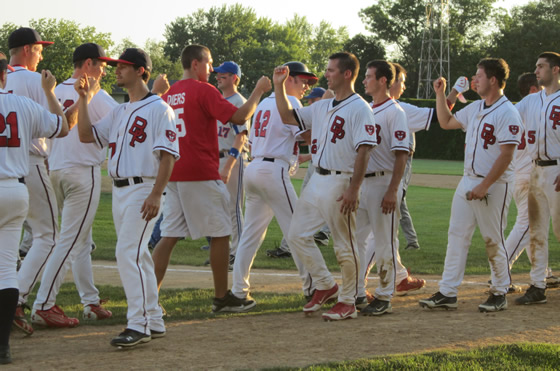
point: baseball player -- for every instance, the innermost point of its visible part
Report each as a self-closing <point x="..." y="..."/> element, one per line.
<point x="142" y="140"/>
<point x="382" y="187"/>
<point x="343" y="134"/>
<point x="231" y="136"/>
<point x="269" y="189"/>
<point x="76" y="177"/>
<point x="22" y="120"/>
<point x="541" y="114"/>
<point x="493" y="131"/>
<point x="26" y="47"/>
<point x="197" y="201"/>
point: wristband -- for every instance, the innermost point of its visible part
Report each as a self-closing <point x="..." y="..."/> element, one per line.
<point x="233" y="152"/>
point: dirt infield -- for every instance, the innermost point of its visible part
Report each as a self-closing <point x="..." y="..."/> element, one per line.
<point x="290" y="339"/>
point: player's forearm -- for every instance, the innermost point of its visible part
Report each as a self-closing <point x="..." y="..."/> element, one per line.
<point x="85" y="131"/>
<point x="54" y="107"/>
<point x="72" y="115"/>
<point x="360" y="166"/>
<point x="283" y="104"/>
<point x="166" y="163"/>
<point x="500" y="165"/>
<point x="443" y="113"/>
<point x="398" y="170"/>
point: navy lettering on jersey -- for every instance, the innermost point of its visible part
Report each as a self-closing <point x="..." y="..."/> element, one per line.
<point x="9" y="136"/>
<point x="137" y="130"/>
<point x="487" y="135"/>
<point x="555" y="117"/>
<point x="337" y="128"/>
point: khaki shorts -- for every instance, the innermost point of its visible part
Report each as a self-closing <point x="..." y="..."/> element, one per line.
<point x="196" y="209"/>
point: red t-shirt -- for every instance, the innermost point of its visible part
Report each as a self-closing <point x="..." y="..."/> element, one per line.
<point x="197" y="106"/>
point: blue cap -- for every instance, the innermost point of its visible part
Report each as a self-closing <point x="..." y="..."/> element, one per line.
<point x="229" y="67"/>
<point x="315" y="93"/>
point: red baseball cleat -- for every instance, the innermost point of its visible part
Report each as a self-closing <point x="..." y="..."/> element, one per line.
<point x="319" y="298"/>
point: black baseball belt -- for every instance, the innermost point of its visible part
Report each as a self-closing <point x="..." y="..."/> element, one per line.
<point x="546" y="162"/>
<point x="127" y="181"/>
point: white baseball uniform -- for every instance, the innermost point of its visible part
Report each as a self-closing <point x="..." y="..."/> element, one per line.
<point x="21" y="119"/>
<point x="76" y="177"/>
<point x="392" y="135"/>
<point x="487" y="129"/>
<point x="42" y="215"/>
<point x="136" y="132"/>
<point x="269" y="190"/>
<point x="226" y="138"/>
<point x="541" y="114"/>
<point x="418" y="118"/>
<point x="338" y="128"/>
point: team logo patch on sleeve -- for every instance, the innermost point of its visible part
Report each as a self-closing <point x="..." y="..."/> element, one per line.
<point x="400" y="134"/>
<point x="514" y="129"/>
<point x="171" y="135"/>
<point x="370" y="129"/>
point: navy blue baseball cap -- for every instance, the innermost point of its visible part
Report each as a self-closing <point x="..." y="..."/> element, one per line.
<point x="134" y="56"/>
<point x="229" y="67"/>
<point x="25" y="36"/>
<point x="315" y="93"/>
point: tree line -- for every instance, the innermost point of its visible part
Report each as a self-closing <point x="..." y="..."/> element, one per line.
<point x="477" y="29"/>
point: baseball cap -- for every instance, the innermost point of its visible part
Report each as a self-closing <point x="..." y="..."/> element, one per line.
<point x="229" y="67"/>
<point x="134" y="56"/>
<point x="315" y="93"/>
<point x="90" y="50"/>
<point x="25" y="36"/>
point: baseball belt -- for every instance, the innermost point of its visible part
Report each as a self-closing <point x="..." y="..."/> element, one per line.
<point x="127" y="181"/>
<point x="546" y="162"/>
<point x="322" y="171"/>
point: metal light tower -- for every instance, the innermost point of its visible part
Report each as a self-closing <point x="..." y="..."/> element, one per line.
<point x="434" y="56"/>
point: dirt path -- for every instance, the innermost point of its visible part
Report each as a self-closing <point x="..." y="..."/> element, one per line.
<point x="290" y="339"/>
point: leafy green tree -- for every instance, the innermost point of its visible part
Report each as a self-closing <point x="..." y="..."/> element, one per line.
<point x="67" y="35"/>
<point x="366" y="48"/>
<point x="523" y="34"/>
<point x="399" y="24"/>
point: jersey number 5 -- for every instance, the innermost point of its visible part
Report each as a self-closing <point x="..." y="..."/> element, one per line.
<point x="9" y="136"/>
<point x="260" y="126"/>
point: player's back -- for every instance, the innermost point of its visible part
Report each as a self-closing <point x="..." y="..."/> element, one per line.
<point x="269" y="136"/>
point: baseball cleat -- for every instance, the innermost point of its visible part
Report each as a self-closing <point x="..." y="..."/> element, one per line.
<point x="409" y="284"/>
<point x="321" y="238"/>
<point x="96" y="312"/>
<point x="552" y="282"/>
<point x="319" y="298"/>
<point x="278" y="253"/>
<point x="157" y="334"/>
<point x="361" y="302"/>
<point x="533" y="295"/>
<point x="340" y="311"/>
<point x="232" y="304"/>
<point x="377" y="307"/>
<point x="412" y="246"/>
<point x="438" y="300"/>
<point x="20" y="322"/>
<point x="53" y="317"/>
<point x="5" y="355"/>
<point x="130" y="338"/>
<point x="514" y="289"/>
<point x="495" y="303"/>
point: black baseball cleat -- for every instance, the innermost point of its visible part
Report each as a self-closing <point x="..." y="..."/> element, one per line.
<point x="232" y="304"/>
<point x="321" y="238"/>
<point x="130" y="338"/>
<point x="438" y="300"/>
<point x="361" y="302"/>
<point x="5" y="355"/>
<point x="533" y="295"/>
<point x="495" y="303"/>
<point x="278" y="253"/>
<point x="377" y="307"/>
<point x="157" y="334"/>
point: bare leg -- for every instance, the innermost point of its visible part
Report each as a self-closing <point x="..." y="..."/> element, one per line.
<point x="161" y="257"/>
<point x="219" y="261"/>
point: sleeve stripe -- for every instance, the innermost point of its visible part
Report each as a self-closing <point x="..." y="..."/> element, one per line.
<point x="368" y="142"/>
<point x="429" y="119"/>
<point x="400" y="148"/>
<point x="510" y="142"/>
<point x="58" y="127"/>
<point x="166" y="149"/>
<point x="301" y="124"/>
<point x="97" y="139"/>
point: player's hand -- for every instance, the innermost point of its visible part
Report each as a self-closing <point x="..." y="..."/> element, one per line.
<point x="557" y="183"/>
<point x="480" y="192"/>
<point x="304" y="158"/>
<point x="439" y="85"/>
<point x="461" y="85"/>
<point x="94" y="87"/>
<point x="48" y="81"/>
<point x="82" y="85"/>
<point x="150" y="207"/>
<point x="225" y="174"/>
<point x="389" y="202"/>
<point x="161" y="85"/>
<point x="349" y="201"/>
<point x="263" y="84"/>
<point x="281" y="73"/>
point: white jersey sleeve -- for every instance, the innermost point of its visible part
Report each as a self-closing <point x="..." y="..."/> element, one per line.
<point x="23" y="120"/>
<point x="227" y="132"/>
<point x="418" y="118"/>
